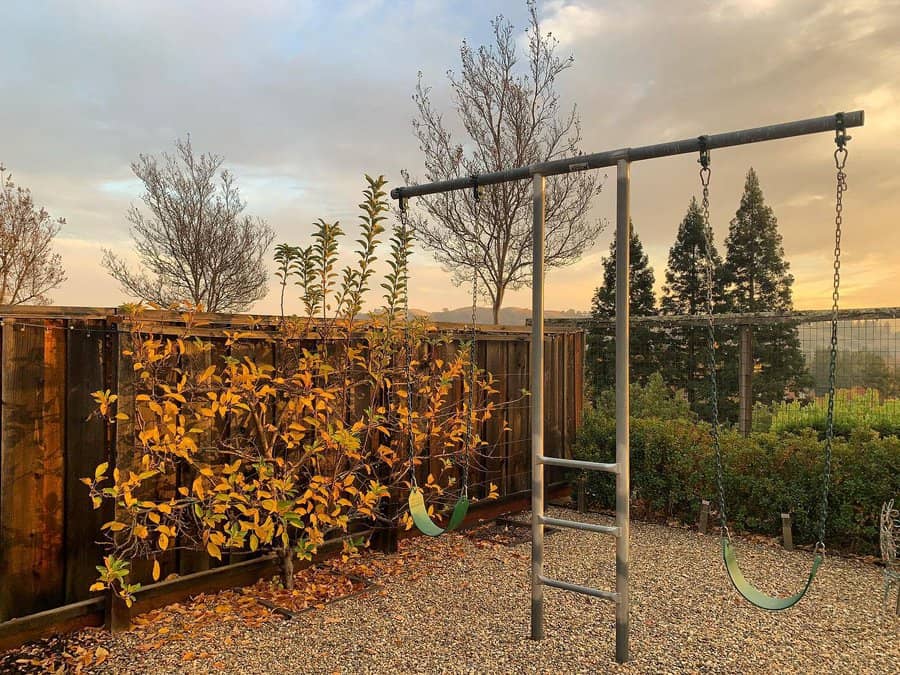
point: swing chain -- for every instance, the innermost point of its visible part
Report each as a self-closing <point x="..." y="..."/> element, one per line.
<point x="840" y="160"/>
<point x="404" y="223"/>
<point x="476" y="195"/>
<point x="705" y="172"/>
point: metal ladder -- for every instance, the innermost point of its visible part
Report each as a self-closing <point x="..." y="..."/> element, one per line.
<point x="621" y="467"/>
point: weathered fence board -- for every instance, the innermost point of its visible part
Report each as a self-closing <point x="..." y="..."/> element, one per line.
<point x="85" y="450"/>
<point x="519" y="440"/>
<point x="31" y="470"/>
<point x="496" y="457"/>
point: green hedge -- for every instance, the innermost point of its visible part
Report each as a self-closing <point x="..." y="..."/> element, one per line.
<point x="673" y="468"/>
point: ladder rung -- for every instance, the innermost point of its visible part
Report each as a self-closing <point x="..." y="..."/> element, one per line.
<point x="575" y="588"/>
<point x="578" y="464"/>
<point x="575" y="525"/>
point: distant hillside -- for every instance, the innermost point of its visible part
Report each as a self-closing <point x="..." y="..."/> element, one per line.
<point x="509" y="316"/>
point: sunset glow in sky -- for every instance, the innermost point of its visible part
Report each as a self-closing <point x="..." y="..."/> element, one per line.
<point x="303" y="97"/>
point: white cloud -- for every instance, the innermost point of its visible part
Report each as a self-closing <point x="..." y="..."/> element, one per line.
<point x="572" y="20"/>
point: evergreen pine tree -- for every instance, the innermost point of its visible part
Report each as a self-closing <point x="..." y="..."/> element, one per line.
<point x="642" y="301"/>
<point x="757" y="279"/>
<point x="601" y="340"/>
<point x="685" y="292"/>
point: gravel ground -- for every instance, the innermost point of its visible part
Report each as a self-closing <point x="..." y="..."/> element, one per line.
<point x="461" y="605"/>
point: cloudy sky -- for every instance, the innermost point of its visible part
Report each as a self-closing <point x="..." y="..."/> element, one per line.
<point x="302" y="97"/>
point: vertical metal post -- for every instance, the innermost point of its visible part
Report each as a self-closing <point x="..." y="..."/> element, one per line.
<point x="537" y="410"/>
<point x="623" y="446"/>
<point x="745" y="381"/>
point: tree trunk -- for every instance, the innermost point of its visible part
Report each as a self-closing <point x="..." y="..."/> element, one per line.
<point x="496" y="305"/>
<point x="287" y="569"/>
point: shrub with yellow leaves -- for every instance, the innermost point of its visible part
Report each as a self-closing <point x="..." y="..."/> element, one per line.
<point x="236" y="450"/>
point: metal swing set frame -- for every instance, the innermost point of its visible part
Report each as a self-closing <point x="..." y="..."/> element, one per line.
<point x="622" y="160"/>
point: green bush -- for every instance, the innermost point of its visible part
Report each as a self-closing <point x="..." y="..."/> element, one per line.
<point x="655" y="399"/>
<point x="766" y="474"/>
<point x="852" y="412"/>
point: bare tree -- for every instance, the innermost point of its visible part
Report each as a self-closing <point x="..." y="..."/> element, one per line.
<point x="195" y="244"/>
<point x="511" y="117"/>
<point x="28" y="266"/>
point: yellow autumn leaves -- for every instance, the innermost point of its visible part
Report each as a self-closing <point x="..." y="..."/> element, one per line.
<point x="217" y="452"/>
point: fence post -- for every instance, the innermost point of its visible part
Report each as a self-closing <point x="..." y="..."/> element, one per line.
<point x="745" y="381"/>
<point x="704" y="516"/>
<point x="787" y="535"/>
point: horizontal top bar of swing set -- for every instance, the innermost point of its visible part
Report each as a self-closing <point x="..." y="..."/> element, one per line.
<point x="597" y="160"/>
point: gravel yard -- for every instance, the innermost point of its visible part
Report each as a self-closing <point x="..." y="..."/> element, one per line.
<point x="461" y="604"/>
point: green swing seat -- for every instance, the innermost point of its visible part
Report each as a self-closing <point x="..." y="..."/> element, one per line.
<point x="423" y="521"/>
<point x="752" y="594"/>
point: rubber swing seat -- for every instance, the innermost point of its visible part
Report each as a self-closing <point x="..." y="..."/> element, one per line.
<point x="423" y="521"/>
<point x="752" y="594"/>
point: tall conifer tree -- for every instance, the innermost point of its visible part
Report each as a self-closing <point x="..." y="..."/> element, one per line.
<point x="757" y="279"/>
<point x="601" y="340"/>
<point x="685" y="292"/>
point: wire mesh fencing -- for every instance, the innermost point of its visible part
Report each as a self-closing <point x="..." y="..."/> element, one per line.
<point x="772" y="369"/>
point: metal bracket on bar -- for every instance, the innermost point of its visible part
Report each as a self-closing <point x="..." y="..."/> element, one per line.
<point x="704" y="160"/>
<point x="576" y="525"/>
<point x="578" y="464"/>
<point x="840" y="131"/>
<point x="577" y="588"/>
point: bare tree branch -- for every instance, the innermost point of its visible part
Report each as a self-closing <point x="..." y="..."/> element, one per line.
<point x="28" y="266"/>
<point x="510" y="119"/>
<point x="195" y="244"/>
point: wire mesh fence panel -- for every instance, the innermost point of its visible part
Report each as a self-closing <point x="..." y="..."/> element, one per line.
<point x="782" y="360"/>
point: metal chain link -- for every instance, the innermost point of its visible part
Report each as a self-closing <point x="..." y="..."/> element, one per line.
<point x="711" y="333"/>
<point x="840" y="160"/>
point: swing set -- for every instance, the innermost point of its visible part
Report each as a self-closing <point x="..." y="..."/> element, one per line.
<point x="622" y="159"/>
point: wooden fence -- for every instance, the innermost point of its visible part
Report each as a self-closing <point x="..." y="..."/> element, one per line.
<point x="53" y="358"/>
